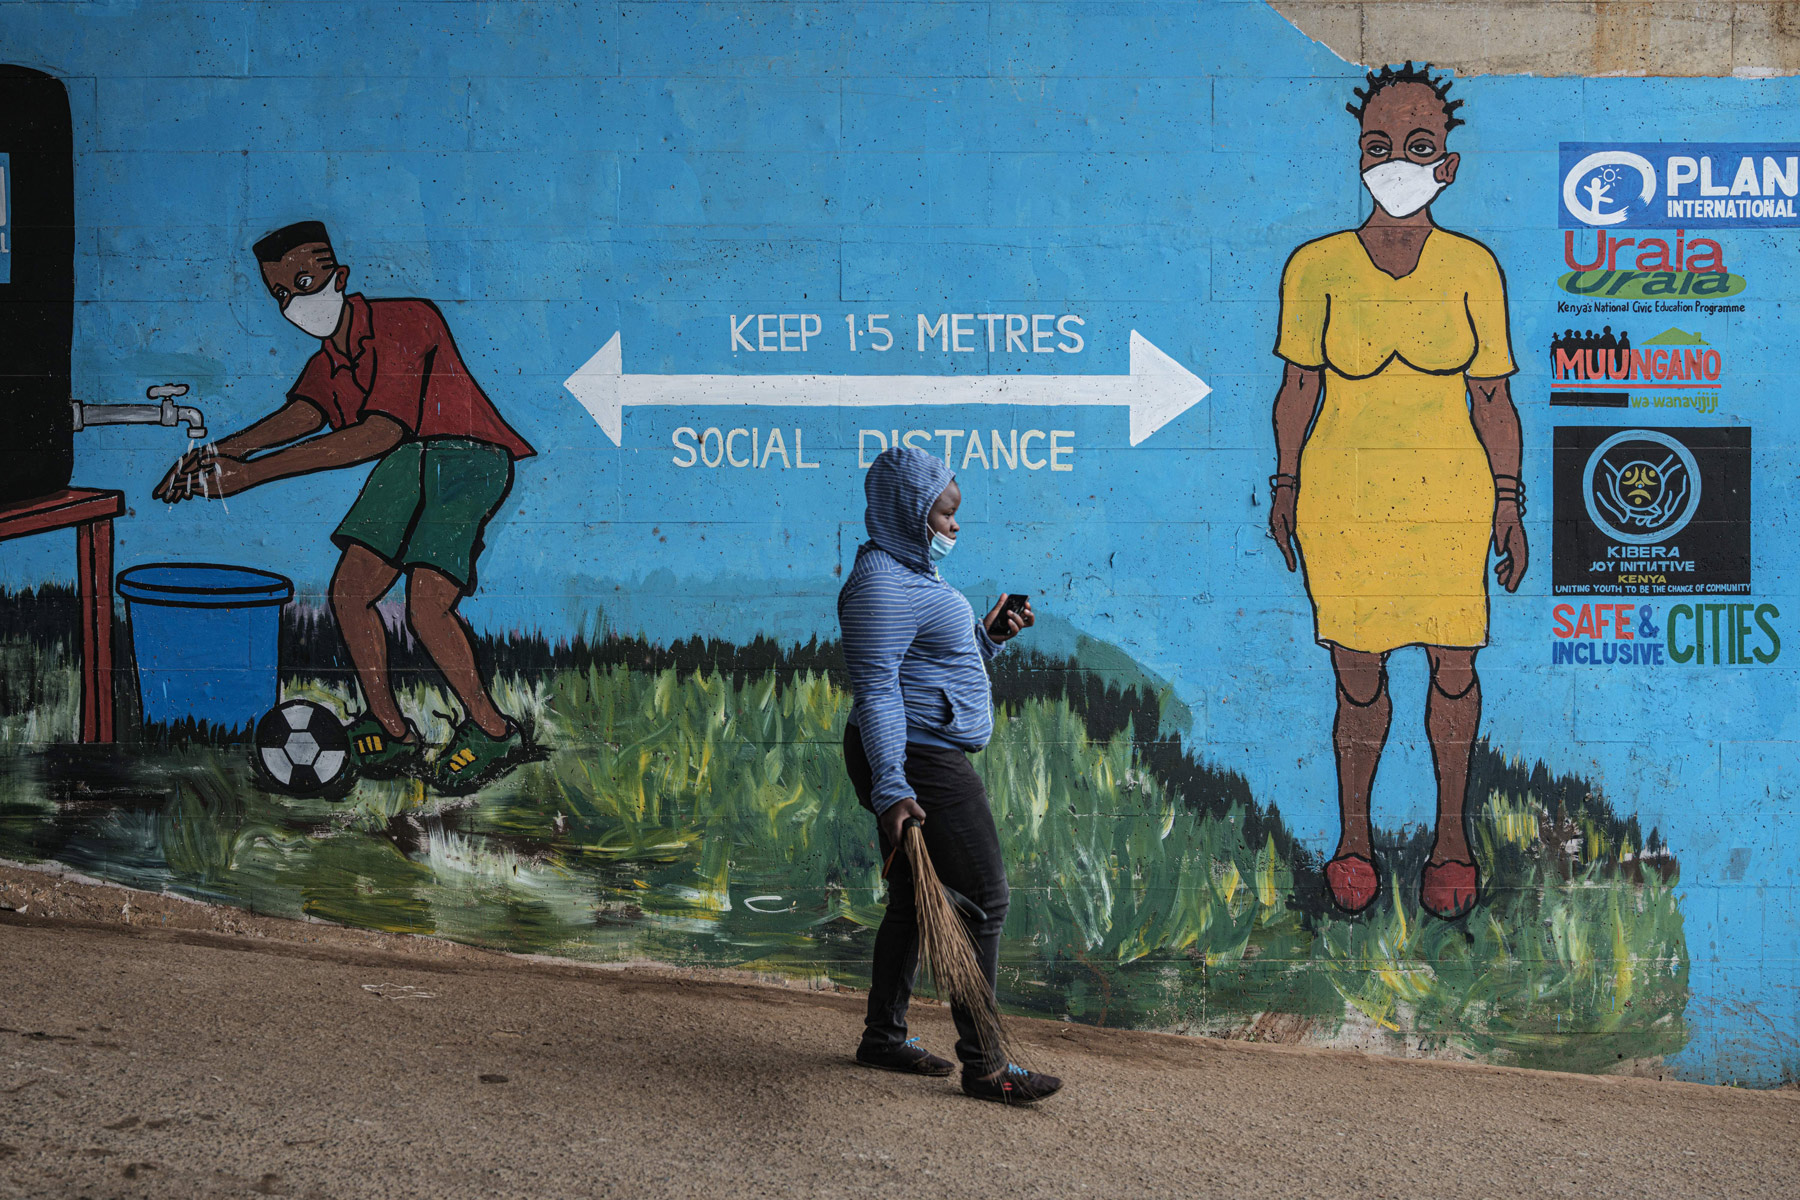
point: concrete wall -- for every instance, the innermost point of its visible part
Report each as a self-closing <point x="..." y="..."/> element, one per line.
<point x="641" y="220"/>
<point x="1563" y="37"/>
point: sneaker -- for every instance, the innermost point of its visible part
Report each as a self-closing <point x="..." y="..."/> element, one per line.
<point x="909" y="1058"/>
<point x="1014" y="1085"/>
<point x="375" y="752"/>
<point x="473" y="758"/>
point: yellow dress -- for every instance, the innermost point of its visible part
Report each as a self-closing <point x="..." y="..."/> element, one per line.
<point x="1396" y="501"/>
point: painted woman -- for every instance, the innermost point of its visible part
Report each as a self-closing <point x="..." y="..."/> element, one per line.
<point x="1398" y="467"/>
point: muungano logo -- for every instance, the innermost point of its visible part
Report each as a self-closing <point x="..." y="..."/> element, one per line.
<point x="1597" y="190"/>
<point x="1673" y="360"/>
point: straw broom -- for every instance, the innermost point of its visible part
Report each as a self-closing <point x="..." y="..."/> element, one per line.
<point x="948" y="950"/>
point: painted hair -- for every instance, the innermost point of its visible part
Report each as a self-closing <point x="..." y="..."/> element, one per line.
<point x="274" y="247"/>
<point x="1387" y="77"/>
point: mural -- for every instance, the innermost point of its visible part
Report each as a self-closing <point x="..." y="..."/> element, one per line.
<point x="703" y="264"/>
<point x="388" y="381"/>
<point x="1410" y="456"/>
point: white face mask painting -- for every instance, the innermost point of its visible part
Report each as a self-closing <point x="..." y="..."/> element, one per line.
<point x="1402" y="188"/>
<point x="318" y="312"/>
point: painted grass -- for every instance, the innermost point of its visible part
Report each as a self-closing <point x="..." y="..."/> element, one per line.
<point x="690" y="817"/>
<point x="40" y="694"/>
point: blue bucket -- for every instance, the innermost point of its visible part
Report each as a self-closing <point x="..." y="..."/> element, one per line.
<point x="207" y="640"/>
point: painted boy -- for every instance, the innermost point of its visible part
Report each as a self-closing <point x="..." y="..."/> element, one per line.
<point x="389" y="383"/>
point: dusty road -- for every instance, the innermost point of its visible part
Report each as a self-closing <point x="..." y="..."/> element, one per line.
<point x="295" y="1060"/>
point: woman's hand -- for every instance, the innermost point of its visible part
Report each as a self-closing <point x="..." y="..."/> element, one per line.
<point x="1281" y="521"/>
<point x="1015" y="621"/>
<point x="1295" y="404"/>
<point x="895" y="816"/>
<point x="1509" y="544"/>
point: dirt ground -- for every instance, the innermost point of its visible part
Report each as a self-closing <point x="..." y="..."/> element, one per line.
<point x="152" y="1047"/>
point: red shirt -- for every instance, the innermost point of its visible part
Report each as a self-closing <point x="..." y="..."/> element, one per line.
<point x="403" y="364"/>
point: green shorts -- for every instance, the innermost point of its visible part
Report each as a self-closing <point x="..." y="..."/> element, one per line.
<point x="427" y="503"/>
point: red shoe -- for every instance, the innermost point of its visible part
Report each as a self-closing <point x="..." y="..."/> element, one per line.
<point x="1354" y="881"/>
<point x="1448" y="890"/>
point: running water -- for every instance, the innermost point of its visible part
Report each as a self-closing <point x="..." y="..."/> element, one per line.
<point x="201" y="466"/>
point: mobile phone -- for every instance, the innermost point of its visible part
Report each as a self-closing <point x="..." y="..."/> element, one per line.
<point x="1015" y="602"/>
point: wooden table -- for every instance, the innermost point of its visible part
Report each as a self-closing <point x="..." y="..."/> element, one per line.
<point x="90" y="511"/>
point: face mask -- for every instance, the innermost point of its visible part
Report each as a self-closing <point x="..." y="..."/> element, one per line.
<point x="941" y="546"/>
<point x="1403" y="188"/>
<point x="317" y="312"/>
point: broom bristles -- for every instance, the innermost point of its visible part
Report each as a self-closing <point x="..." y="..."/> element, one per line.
<point x="949" y="952"/>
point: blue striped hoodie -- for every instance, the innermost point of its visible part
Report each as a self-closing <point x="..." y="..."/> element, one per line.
<point x="916" y="654"/>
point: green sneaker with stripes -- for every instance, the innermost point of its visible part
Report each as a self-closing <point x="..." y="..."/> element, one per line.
<point x="378" y="754"/>
<point x="473" y="758"/>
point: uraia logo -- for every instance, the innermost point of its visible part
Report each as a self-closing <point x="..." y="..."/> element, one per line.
<point x="1646" y="268"/>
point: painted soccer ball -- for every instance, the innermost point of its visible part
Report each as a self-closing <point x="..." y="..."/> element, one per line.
<point x="301" y="749"/>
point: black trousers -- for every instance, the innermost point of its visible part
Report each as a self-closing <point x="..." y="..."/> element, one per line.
<point x="965" y="852"/>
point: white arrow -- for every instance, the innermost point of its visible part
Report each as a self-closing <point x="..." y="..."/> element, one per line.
<point x="1158" y="390"/>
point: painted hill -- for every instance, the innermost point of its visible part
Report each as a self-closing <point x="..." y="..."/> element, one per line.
<point x="695" y="810"/>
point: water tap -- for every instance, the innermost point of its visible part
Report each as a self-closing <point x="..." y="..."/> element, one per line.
<point x="164" y="412"/>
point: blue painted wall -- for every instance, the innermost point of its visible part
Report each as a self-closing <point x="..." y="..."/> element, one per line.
<point x="553" y="173"/>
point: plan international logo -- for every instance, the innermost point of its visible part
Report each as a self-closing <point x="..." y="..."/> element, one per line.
<point x="1650" y="185"/>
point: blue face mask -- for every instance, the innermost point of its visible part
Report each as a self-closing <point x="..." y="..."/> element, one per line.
<point x="941" y="546"/>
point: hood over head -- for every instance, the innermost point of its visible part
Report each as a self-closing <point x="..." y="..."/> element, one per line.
<point x="901" y="487"/>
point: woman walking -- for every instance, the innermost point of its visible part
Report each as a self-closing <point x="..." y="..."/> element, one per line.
<point x="1397" y="466"/>
<point x="917" y="660"/>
